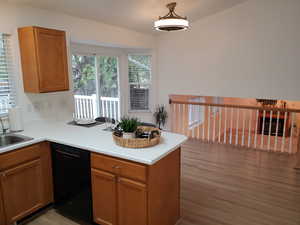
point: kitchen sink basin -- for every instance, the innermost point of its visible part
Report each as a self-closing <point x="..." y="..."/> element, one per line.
<point x="11" y="139"/>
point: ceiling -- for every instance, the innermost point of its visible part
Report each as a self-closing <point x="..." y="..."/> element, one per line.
<point x="137" y="15"/>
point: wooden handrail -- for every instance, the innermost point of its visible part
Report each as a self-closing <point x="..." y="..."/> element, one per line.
<point x="274" y="109"/>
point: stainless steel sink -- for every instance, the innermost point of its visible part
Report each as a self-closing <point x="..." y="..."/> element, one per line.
<point x="11" y="139"/>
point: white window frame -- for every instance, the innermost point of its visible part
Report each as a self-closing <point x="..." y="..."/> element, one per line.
<point x="96" y="54"/>
<point x="150" y="85"/>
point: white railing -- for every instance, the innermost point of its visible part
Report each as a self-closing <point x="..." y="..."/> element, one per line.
<point x="110" y="107"/>
<point x="269" y="129"/>
<point x="89" y="107"/>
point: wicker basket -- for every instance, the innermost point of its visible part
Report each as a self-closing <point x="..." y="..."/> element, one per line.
<point x="138" y="142"/>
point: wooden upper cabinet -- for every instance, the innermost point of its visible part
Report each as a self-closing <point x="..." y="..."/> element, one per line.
<point x="44" y="59"/>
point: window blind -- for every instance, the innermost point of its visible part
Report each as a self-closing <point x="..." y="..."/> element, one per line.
<point x="139" y="69"/>
<point x="7" y="94"/>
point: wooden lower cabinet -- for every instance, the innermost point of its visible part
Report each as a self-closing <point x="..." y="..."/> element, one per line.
<point x="132" y="202"/>
<point x="22" y="188"/>
<point x="26" y="181"/>
<point x="2" y="217"/>
<point x="104" y="188"/>
<point x="129" y="193"/>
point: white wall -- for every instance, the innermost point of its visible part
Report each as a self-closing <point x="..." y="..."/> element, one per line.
<point x="60" y="105"/>
<point x="250" y="50"/>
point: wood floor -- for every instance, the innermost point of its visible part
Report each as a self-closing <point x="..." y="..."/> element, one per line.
<point x="223" y="185"/>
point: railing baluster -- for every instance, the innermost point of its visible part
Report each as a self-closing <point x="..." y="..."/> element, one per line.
<point x="198" y="125"/>
<point x="284" y="130"/>
<point x="180" y="120"/>
<point x="214" y="123"/>
<point x="231" y="125"/>
<point x="208" y="123"/>
<point x="270" y="130"/>
<point x="81" y="109"/>
<point x="203" y="125"/>
<point x="115" y="110"/>
<point x="243" y="129"/>
<point x="220" y="124"/>
<point x="172" y="117"/>
<point x="291" y="133"/>
<point x="106" y="107"/>
<point x="186" y="123"/>
<point x="175" y="120"/>
<point x="102" y="108"/>
<point x="237" y="127"/>
<point x="263" y="130"/>
<point x="225" y="124"/>
<point x="250" y="124"/>
<point x="256" y="128"/>
<point x="276" y="132"/>
<point x="92" y="109"/>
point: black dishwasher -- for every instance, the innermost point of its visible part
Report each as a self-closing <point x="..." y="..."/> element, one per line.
<point x="72" y="182"/>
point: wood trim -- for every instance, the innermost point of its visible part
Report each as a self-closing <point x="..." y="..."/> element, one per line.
<point x="19" y="156"/>
<point x="46" y="160"/>
<point x="119" y="167"/>
<point x="2" y="214"/>
<point x="234" y="106"/>
<point x="164" y="190"/>
<point x="29" y="59"/>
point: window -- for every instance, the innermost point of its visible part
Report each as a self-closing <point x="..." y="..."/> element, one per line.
<point x="7" y="96"/>
<point x="96" y="86"/>
<point x="139" y="72"/>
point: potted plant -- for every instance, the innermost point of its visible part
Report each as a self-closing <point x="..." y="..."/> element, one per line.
<point x="160" y="116"/>
<point x="128" y="126"/>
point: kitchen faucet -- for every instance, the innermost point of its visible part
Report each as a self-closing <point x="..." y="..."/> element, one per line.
<point x="2" y="125"/>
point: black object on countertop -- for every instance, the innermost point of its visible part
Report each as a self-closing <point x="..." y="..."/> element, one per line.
<point x="72" y="183"/>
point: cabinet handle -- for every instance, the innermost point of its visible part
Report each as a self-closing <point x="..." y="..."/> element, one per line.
<point x="116" y="167"/>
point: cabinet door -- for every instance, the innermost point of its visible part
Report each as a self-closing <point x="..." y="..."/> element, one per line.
<point x="2" y="218"/>
<point x="132" y="202"/>
<point x="104" y="197"/>
<point x="22" y="188"/>
<point x="52" y="60"/>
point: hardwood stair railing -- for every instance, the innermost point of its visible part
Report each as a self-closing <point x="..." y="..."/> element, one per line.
<point x="264" y="128"/>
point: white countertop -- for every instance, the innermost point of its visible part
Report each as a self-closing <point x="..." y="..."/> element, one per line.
<point x="96" y="140"/>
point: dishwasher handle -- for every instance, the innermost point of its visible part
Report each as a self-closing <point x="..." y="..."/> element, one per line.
<point x="68" y="154"/>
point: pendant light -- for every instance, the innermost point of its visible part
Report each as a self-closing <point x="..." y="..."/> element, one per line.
<point x="171" y="21"/>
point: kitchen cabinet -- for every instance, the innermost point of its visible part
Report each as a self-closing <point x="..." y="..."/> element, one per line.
<point x="43" y="59"/>
<point x="104" y="191"/>
<point x="26" y="181"/>
<point x="2" y="218"/>
<point x="126" y="193"/>
<point x="132" y="202"/>
<point x="22" y="190"/>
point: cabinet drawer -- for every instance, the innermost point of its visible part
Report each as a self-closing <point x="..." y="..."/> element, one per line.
<point x="17" y="157"/>
<point x="120" y="167"/>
